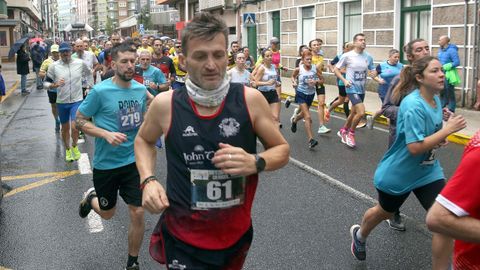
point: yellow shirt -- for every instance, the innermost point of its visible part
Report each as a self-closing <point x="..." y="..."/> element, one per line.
<point x="177" y="70"/>
<point x="45" y="64"/>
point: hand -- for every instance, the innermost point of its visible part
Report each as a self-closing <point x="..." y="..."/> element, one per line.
<point x="115" y="138"/>
<point x="311" y="82"/>
<point x="442" y="144"/>
<point x="348" y="84"/>
<point x="234" y="160"/>
<point x="153" y="85"/>
<point x="455" y="123"/>
<point x="61" y="82"/>
<point x="381" y="81"/>
<point x="271" y="82"/>
<point x="154" y="198"/>
<point x="294" y="83"/>
<point x="446" y="114"/>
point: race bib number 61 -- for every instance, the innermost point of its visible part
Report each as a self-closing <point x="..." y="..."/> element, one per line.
<point x="213" y="189"/>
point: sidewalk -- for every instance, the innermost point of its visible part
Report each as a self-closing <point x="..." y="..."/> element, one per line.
<point x="13" y="99"/>
<point x="372" y="103"/>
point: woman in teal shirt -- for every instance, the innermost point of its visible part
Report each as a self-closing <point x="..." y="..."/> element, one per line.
<point x="410" y="164"/>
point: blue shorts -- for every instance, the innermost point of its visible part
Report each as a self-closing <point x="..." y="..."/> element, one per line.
<point x="356" y="98"/>
<point x="304" y="98"/>
<point x="67" y="111"/>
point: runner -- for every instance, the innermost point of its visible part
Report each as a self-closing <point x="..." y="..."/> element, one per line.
<point x="145" y="46"/>
<point x="410" y="164"/>
<point x="162" y="61"/>
<point x="211" y="129"/>
<point x="239" y="74"/>
<point x="66" y="76"/>
<point x="249" y="61"/>
<point x="357" y="63"/>
<point x="266" y="82"/>
<point x="342" y="94"/>
<point x="231" y="55"/>
<point x="180" y="72"/>
<point x="117" y="105"/>
<point x="305" y="79"/>
<point x="276" y="61"/>
<point x="51" y="92"/>
<point x="153" y="78"/>
<point x="317" y="60"/>
<point x="386" y="71"/>
<point x="88" y="58"/>
<point x="456" y="213"/>
<point x="414" y="50"/>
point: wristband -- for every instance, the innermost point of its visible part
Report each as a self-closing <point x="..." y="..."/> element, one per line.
<point x="146" y="180"/>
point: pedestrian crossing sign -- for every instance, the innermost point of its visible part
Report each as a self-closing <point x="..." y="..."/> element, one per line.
<point x="249" y="19"/>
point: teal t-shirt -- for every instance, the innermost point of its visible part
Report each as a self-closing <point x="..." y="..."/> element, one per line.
<point x="153" y="74"/>
<point x="399" y="171"/>
<point x="115" y="109"/>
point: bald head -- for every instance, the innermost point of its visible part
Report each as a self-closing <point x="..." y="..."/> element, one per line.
<point x="443" y="41"/>
<point x="79" y="46"/>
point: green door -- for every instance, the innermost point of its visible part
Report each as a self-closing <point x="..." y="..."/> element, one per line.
<point x="252" y="41"/>
<point x="276" y="24"/>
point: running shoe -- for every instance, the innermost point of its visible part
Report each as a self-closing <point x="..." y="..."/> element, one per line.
<point x="293" y="126"/>
<point x="362" y="124"/>
<point x="323" y="129"/>
<point x="135" y="266"/>
<point x="288" y="101"/>
<point x="396" y="223"/>
<point x="326" y="114"/>
<point x="312" y="143"/>
<point x="370" y="121"/>
<point x="68" y="155"/>
<point x="85" y="203"/>
<point x="76" y="153"/>
<point x="358" y="248"/>
<point x="350" y="139"/>
<point x="342" y="133"/>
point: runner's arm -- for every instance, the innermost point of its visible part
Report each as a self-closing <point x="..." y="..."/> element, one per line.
<point x="441" y="220"/>
<point x="84" y="124"/>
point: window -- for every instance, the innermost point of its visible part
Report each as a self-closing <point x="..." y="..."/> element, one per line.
<point x="122" y="13"/>
<point x="3" y="38"/>
<point x="308" y="24"/>
<point x="352" y="20"/>
<point x="122" y="4"/>
<point x="414" y="22"/>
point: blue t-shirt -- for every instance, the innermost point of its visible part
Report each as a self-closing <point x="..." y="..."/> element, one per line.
<point x="387" y="72"/>
<point x="115" y="109"/>
<point x="153" y="74"/>
<point x="399" y="171"/>
<point x="358" y="65"/>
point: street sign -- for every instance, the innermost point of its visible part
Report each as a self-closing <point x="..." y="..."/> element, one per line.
<point x="249" y="19"/>
<point x="141" y="26"/>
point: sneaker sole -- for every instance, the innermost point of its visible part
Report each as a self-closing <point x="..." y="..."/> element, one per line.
<point x="393" y="227"/>
<point x="84" y="201"/>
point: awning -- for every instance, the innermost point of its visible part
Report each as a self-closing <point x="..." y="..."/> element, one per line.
<point x="78" y="27"/>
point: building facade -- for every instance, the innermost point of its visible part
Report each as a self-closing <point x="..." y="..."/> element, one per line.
<point x="386" y="24"/>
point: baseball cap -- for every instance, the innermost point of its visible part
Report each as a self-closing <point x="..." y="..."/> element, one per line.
<point x="54" y="48"/>
<point x="64" y="47"/>
<point x="274" y="40"/>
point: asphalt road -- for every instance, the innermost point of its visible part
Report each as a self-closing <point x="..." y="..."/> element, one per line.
<point x="301" y="214"/>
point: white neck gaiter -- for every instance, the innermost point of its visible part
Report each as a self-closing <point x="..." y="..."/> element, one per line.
<point x="207" y="98"/>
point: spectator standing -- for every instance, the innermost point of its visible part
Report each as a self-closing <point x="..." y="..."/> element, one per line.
<point x="23" y="57"/>
<point x="38" y="55"/>
<point x="448" y="56"/>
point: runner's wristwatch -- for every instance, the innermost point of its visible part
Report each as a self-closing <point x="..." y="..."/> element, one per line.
<point x="259" y="163"/>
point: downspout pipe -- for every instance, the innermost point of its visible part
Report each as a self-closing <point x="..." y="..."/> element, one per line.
<point x="465" y="54"/>
<point x="475" y="52"/>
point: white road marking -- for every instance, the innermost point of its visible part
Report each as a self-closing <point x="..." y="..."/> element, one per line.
<point x="84" y="164"/>
<point x="80" y="141"/>
<point x="95" y="224"/>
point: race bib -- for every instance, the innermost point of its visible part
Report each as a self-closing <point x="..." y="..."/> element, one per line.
<point x="130" y="118"/>
<point x="180" y="79"/>
<point x="359" y="75"/>
<point x="213" y="189"/>
<point x="430" y="158"/>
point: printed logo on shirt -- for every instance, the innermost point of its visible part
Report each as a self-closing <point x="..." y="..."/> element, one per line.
<point x="229" y="127"/>
<point x="198" y="156"/>
<point x="176" y="265"/>
<point x="189" y="132"/>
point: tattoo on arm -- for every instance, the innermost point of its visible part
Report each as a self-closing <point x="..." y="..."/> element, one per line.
<point x="80" y="122"/>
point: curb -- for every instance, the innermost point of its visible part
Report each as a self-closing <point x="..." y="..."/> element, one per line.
<point x="456" y="138"/>
<point x="14" y="114"/>
<point x="10" y="91"/>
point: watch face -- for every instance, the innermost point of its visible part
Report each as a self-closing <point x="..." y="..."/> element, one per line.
<point x="260" y="163"/>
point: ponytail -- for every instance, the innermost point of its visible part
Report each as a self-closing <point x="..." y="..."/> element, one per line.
<point x="406" y="83"/>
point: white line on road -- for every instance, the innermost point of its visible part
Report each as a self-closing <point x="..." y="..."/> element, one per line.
<point x="95" y="224"/>
<point x="80" y="141"/>
<point x="357" y="194"/>
<point x="84" y="164"/>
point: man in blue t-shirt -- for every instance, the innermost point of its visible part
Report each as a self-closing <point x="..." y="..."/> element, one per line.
<point x="358" y="64"/>
<point x="153" y="78"/>
<point x="117" y="105"/>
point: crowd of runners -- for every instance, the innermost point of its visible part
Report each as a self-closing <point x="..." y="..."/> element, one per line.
<point x="210" y="104"/>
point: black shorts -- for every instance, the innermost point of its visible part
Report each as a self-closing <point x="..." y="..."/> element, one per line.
<point x="271" y="96"/>
<point x="186" y="256"/>
<point x="52" y="97"/>
<point x="426" y="195"/>
<point x="320" y="90"/>
<point x="341" y="91"/>
<point x="108" y="183"/>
